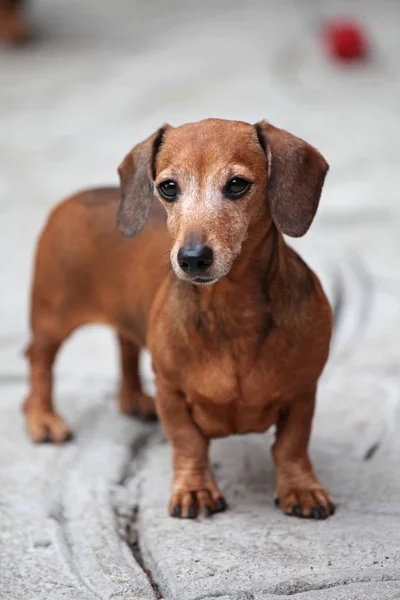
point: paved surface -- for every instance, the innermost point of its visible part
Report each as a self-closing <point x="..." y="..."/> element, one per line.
<point x="88" y="520"/>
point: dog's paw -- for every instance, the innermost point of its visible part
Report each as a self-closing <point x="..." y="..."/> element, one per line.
<point x="47" y="427"/>
<point x="307" y="503"/>
<point x="137" y="405"/>
<point x="189" y="505"/>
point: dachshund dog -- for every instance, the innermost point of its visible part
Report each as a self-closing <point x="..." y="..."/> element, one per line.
<point x="238" y="328"/>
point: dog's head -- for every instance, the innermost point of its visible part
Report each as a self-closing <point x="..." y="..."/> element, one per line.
<point x="217" y="179"/>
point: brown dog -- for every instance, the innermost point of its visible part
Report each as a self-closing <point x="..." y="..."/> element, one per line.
<point x="239" y="329"/>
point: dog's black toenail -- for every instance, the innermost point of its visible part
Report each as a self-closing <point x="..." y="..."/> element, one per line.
<point x="322" y="513"/>
<point x="314" y="513"/>
<point x="192" y="513"/>
<point x="332" y="508"/>
<point x="296" y="510"/>
<point x="221" y="504"/>
<point x="276" y="502"/>
<point x="177" y="510"/>
<point x="153" y="418"/>
<point x="147" y="417"/>
<point x="46" y="439"/>
<point x="207" y="510"/>
<point x="69" y="437"/>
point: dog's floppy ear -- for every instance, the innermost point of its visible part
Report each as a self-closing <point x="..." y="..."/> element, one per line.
<point x="296" y="174"/>
<point x="136" y="174"/>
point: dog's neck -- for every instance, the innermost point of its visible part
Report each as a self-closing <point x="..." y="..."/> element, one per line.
<point x="259" y="258"/>
<point x="239" y="306"/>
<point x="254" y="270"/>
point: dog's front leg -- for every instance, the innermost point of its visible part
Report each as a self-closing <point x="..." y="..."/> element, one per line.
<point x="194" y="490"/>
<point x="298" y="490"/>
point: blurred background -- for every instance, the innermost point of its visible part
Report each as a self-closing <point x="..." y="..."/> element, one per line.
<point x="98" y="76"/>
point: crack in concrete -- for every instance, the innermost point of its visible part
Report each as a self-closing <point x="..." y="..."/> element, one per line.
<point x="130" y="535"/>
<point x="136" y="457"/>
<point x="293" y="588"/>
<point x="245" y="595"/>
<point x="128" y="529"/>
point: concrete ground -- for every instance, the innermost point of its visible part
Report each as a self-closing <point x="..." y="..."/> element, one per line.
<point x="88" y="520"/>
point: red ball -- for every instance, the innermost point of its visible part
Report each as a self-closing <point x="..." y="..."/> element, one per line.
<point x="346" y="40"/>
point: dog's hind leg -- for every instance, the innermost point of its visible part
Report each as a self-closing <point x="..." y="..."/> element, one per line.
<point x="43" y="423"/>
<point x="132" y="400"/>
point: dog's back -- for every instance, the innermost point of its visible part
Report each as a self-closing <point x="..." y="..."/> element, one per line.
<point x="85" y="270"/>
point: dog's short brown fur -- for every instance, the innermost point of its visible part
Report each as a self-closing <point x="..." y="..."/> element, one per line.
<point x="13" y="26"/>
<point x="236" y="356"/>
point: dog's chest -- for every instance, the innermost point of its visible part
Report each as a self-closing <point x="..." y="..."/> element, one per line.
<point x="226" y="397"/>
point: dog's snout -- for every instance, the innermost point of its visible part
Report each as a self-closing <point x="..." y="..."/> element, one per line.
<point x="195" y="259"/>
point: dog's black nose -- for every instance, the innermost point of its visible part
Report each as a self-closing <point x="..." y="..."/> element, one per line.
<point x="195" y="259"/>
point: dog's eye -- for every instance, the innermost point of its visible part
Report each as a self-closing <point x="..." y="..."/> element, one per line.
<point x="236" y="187"/>
<point x="169" y="190"/>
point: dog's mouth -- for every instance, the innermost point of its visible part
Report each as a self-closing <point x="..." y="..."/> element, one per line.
<point x="204" y="280"/>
